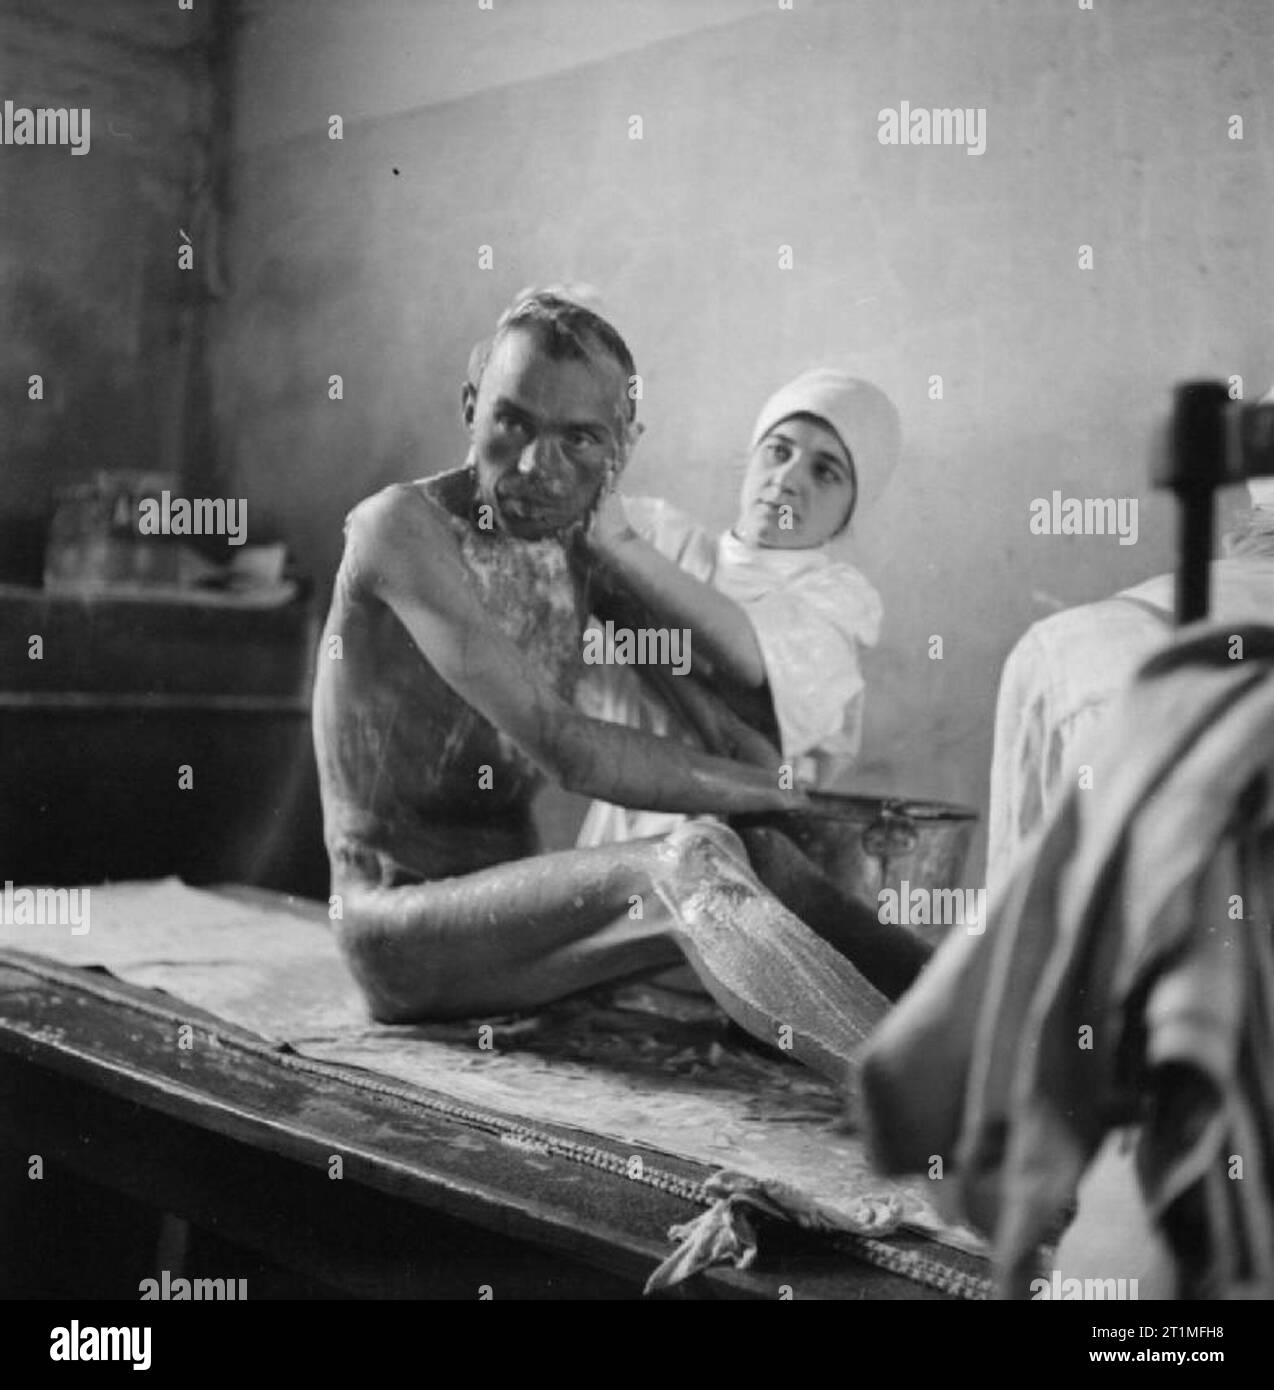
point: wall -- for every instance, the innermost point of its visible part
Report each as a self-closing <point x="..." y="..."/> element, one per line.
<point x="509" y="127"/>
<point x="90" y="295"/>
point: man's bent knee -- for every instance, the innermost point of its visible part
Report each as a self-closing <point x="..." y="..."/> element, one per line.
<point x="413" y="981"/>
<point x="694" y="841"/>
<point x="396" y="988"/>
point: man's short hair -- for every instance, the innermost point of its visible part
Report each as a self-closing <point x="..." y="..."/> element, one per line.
<point x="565" y="330"/>
<point x="478" y="355"/>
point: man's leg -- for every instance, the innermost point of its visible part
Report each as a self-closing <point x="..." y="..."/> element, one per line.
<point x="513" y="936"/>
<point x="889" y="956"/>
<point x="519" y="935"/>
<point x="763" y="965"/>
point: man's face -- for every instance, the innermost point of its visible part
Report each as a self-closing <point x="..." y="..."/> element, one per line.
<point x="799" y="487"/>
<point x="547" y="433"/>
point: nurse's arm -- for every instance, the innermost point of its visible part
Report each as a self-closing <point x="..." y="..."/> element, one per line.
<point x="409" y="559"/>
<point x="719" y="627"/>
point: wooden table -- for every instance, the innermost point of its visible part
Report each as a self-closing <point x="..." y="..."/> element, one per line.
<point x="239" y="1145"/>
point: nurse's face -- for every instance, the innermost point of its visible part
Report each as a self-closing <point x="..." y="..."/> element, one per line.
<point x="799" y="489"/>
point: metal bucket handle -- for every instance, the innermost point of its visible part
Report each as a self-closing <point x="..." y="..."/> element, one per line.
<point x="891" y="835"/>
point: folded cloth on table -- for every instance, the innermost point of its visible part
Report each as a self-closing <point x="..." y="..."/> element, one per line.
<point x="1126" y="976"/>
<point x="725" y="1232"/>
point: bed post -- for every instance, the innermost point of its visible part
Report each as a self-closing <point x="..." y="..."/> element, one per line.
<point x="1194" y="466"/>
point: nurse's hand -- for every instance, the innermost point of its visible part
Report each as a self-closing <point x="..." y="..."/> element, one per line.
<point x="610" y="528"/>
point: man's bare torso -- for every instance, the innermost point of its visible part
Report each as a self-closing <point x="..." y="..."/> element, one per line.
<point x="416" y="783"/>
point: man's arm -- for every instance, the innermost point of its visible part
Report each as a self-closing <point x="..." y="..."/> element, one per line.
<point x="721" y="628"/>
<point x="727" y="718"/>
<point x="408" y="558"/>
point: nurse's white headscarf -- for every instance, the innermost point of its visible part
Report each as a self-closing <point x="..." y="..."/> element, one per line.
<point x="860" y="413"/>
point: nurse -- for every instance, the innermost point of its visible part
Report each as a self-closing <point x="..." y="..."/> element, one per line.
<point x="778" y="624"/>
<point x="778" y="620"/>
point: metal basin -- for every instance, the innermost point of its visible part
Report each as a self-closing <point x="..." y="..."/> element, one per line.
<point x="866" y="843"/>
